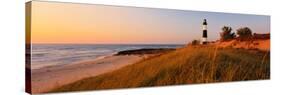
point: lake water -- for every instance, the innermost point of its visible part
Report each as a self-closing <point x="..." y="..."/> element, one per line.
<point x="59" y="54"/>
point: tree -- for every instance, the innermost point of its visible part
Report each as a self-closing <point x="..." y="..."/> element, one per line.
<point x="244" y="33"/>
<point x="195" y="42"/>
<point x="226" y="33"/>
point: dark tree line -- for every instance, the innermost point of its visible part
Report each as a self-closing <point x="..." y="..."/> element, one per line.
<point x="243" y="33"/>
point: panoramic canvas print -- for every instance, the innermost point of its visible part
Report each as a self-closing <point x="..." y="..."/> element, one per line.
<point x="85" y="47"/>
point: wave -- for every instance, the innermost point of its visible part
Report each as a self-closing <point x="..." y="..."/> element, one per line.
<point x="46" y="55"/>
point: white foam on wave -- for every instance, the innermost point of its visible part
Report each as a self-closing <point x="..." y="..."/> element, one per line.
<point x="55" y="55"/>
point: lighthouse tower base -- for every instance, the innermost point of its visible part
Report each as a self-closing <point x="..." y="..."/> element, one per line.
<point x="204" y="41"/>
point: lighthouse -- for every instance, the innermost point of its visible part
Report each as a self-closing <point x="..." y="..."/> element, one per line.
<point x="204" y="36"/>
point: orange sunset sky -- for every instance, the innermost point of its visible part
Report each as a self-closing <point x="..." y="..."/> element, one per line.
<point x="54" y="22"/>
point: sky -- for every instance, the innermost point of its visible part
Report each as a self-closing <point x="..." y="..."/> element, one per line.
<point x="63" y="23"/>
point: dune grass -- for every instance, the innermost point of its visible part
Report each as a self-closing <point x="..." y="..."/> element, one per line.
<point x="189" y="65"/>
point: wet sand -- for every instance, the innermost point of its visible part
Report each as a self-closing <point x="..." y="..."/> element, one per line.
<point x="47" y="78"/>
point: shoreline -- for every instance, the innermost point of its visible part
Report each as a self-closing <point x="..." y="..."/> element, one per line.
<point x="142" y="51"/>
<point x="48" y="78"/>
<point x="40" y="66"/>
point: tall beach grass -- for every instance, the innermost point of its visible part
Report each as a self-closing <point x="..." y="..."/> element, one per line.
<point x="188" y="65"/>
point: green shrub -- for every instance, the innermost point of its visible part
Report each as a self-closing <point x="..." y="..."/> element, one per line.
<point x="195" y="42"/>
<point x="244" y="33"/>
<point x="226" y="33"/>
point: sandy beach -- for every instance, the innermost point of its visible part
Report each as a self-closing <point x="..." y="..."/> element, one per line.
<point x="47" y="78"/>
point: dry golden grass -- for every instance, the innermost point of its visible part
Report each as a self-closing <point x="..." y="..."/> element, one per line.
<point x="189" y="65"/>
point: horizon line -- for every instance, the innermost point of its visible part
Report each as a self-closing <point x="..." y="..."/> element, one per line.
<point x="119" y="43"/>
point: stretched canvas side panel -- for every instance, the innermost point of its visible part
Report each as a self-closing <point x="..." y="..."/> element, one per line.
<point x="28" y="47"/>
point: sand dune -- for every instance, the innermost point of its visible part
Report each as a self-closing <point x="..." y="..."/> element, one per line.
<point x="188" y="65"/>
<point x="260" y="44"/>
<point x="47" y="78"/>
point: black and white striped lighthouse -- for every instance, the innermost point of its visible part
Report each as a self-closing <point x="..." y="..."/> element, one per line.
<point x="204" y="36"/>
